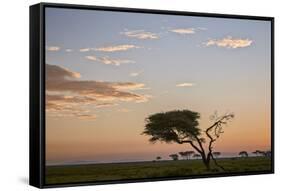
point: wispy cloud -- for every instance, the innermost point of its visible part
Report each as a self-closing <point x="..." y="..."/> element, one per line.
<point x="67" y="95"/>
<point x="123" y="110"/>
<point x="109" y="61"/>
<point x="135" y="74"/>
<point x="53" y="48"/>
<point x="102" y="105"/>
<point x="186" y="84"/>
<point x="184" y="31"/>
<point x="116" y="62"/>
<point x="58" y="105"/>
<point x="73" y="113"/>
<point x="128" y="86"/>
<point x="93" y="58"/>
<point x="87" y="117"/>
<point x="201" y="28"/>
<point x="140" y="34"/>
<point x="116" y="48"/>
<point x="68" y="50"/>
<point x="84" y="49"/>
<point x="229" y="42"/>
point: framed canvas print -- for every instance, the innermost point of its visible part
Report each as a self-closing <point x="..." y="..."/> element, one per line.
<point x="123" y="95"/>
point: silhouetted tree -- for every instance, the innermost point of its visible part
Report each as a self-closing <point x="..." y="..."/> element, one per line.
<point x="186" y="155"/>
<point x="216" y="154"/>
<point x="267" y="153"/>
<point x="181" y="126"/>
<point x="255" y="152"/>
<point x="243" y="154"/>
<point x="258" y="152"/>
<point x="196" y="156"/>
<point x="174" y="156"/>
<point x="183" y="155"/>
<point x="189" y="154"/>
<point x="158" y="158"/>
<point x="264" y="153"/>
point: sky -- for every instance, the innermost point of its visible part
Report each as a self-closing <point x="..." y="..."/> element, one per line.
<point x="108" y="71"/>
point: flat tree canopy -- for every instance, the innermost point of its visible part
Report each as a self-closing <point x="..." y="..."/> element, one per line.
<point x="173" y="126"/>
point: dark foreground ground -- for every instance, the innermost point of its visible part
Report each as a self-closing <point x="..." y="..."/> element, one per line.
<point x="139" y="170"/>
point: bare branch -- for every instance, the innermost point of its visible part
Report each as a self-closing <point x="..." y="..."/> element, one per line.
<point x="217" y="127"/>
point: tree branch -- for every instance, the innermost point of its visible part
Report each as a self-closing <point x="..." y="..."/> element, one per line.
<point x="200" y="145"/>
<point x="218" y="131"/>
<point x="192" y="144"/>
<point x="220" y="121"/>
<point x="212" y="140"/>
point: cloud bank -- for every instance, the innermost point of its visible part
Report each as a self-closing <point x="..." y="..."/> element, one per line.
<point x="67" y="95"/>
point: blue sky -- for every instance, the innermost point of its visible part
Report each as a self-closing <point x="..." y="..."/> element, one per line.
<point x="86" y="28"/>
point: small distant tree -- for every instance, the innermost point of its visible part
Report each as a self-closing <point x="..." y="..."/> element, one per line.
<point x="174" y="156"/>
<point x="158" y="158"/>
<point x="258" y="153"/>
<point x="197" y="156"/>
<point x="183" y="155"/>
<point x="189" y="154"/>
<point x="186" y="155"/>
<point x="216" y="154"/>
<point x="255" y="153"/>
<point x="267" y="153"/>
<point x="243" y="154"/>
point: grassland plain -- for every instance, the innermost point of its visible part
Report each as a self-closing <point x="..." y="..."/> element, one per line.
<point x="139" y="170"/>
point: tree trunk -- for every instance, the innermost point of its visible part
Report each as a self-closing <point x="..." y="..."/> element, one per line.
<point x="207" y="164"/>
<point x="206" y="161"/>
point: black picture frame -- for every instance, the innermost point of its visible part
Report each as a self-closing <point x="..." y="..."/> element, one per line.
<point x="37" y="91"/>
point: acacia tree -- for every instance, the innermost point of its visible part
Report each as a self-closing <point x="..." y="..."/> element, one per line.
<point x="267" y="153"/>
<point x="262" y="153"/>
<point x="174" y="156"/>
<point x="243" y="154"/>
<point x="196" y="156"/>
<point x="158" y="158"/>
<point x="182" y="127"/>
<point x="216" y="154"/>
<point x="258" y="152"/>
<point x="186" y="155"/>
<point x="189" y="154"/>
<point x="183" y="155"/>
